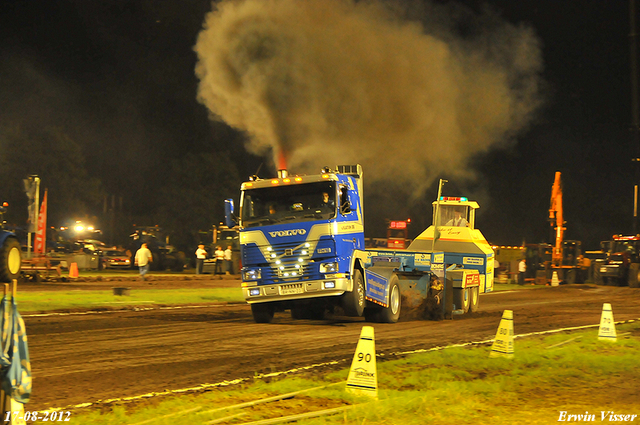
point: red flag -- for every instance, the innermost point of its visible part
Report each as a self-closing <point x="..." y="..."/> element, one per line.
<point x="39" y="244"/>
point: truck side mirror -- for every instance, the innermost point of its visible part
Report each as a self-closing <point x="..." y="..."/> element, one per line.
<point x="229" y="216"/>
<point x="345" y="204"/>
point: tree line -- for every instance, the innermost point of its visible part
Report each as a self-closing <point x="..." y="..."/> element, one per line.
<point x="186" y="200"/>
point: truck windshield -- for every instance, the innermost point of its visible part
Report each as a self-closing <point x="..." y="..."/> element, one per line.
<point x="453" y="215"/>
<point x="626" y="246"/>
<point x="291" y="203"/>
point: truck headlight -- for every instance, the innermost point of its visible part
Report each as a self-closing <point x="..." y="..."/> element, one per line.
<point x="251" y="274"/>
<point x="328" y="267"/>
<point x="254" y="291"/>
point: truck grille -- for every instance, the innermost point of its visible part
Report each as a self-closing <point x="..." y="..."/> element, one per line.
<point x="285" y="261"/>
<point x="296" y="260"/>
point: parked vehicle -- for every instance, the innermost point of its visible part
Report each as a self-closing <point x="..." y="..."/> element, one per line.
<point x="10" y="252"/>
<point x="115" y="259"/>
<point x="165" y="256"/>
<point x="621" y="266"/>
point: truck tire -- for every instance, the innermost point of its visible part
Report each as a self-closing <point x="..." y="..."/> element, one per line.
<point x="10" y="260"/>
<point x="262" y="313"/>
<point x="353" y="302"/>
<point x="461" y="299"/>
<point x="391" y="313"/>
<point x="634" y="275"/>
<point x="474" y="299"/>
<point x="570" y="277"/>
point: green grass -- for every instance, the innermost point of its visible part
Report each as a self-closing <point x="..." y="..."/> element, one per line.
<point x="100" y="299"/>
<point x="457" y="385"/>
<point x="44" y="301"/>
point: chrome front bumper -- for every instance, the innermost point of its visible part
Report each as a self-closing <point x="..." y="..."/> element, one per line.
<point x="328" y="287"/>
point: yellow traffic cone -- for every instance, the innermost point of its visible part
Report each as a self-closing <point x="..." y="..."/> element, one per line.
<point x="607" y="330"/>
<point x="503" y="344"/>
<point x="554" y="279"/>
<point x="363" y="377"/>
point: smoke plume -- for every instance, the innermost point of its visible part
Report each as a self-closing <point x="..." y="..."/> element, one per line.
<point x="326" y="82"/>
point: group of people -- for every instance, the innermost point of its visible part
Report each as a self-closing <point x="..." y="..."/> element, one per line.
<point x="222" y="257"/>
<point x="144" y="258"/>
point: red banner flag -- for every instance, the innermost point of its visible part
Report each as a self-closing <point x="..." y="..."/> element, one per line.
<point x="39" y="244"/>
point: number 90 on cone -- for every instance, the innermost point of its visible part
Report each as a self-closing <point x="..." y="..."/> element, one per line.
<point x="363" y="377"/>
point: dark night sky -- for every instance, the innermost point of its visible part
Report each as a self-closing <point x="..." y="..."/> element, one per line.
<point x="119" y="77"/>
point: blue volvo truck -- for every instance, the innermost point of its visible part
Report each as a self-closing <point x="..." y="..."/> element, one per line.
<point x="302" y="249"/>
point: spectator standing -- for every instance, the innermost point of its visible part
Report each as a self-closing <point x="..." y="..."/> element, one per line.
<point x="522" y="268"/>
<point x="201" y="254"/>
<point x="227" y="260"/>
<point x="143" y="259"/>
<point x="219" y="259"/>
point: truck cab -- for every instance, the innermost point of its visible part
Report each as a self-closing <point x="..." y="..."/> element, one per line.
<point x="297" y="236"/>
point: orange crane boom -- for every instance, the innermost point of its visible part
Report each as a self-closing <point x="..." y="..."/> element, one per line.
<point x="555" y="218"/>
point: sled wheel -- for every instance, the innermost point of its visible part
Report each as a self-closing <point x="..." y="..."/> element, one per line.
<point x="474" y="299"/>
<point x="461" y="298"/>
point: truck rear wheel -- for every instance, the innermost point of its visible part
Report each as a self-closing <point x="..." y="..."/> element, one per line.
<point x="262" y="313"/>
<point x="391" y="313"/>
<point x="634" y="275"/>
<point x="10" y="260"/>
<point x="353" y="302"/>
<point x="474" y="299"/>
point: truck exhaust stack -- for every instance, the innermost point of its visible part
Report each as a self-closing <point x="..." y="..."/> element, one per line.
<point x="283" y="174"/>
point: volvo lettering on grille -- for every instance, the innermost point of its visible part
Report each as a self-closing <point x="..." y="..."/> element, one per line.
<point x="292" y="232"/>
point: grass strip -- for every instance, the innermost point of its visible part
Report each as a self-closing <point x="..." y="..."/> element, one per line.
<point x="545" y="380"/>
<point x="79" y="299"/>
<point x="96" y="299"/>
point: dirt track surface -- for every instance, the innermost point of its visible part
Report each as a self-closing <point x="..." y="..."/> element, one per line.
<point x="91" y="357"/>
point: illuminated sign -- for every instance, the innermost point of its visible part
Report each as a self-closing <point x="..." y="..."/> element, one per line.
<point x="398" y="225"/>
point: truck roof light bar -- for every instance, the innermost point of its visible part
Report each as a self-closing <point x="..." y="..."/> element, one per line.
<point x="453" y="198"/>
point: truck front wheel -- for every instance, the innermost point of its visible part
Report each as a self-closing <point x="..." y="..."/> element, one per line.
<point x="262" y="313"/>
<point x="10" y="260"/>
<point x="353" y="302"/>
